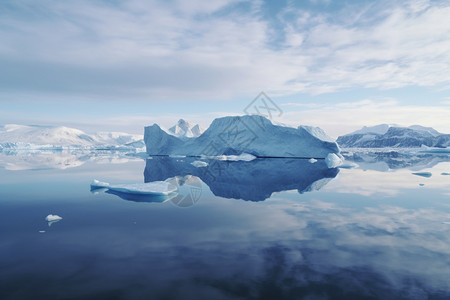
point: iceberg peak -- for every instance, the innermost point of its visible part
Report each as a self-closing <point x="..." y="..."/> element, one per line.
<point x="235" y="135"/>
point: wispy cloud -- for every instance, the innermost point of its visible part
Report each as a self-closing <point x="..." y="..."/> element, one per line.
<point x="157" y="50"/>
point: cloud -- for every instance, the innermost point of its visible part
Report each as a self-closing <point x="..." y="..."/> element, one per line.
<point x="153" y="50"/>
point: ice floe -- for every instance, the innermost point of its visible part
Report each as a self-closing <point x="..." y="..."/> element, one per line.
<point x="149" y="188"/>
<point x="199" y="164"/>
<point x="52" y="219"/>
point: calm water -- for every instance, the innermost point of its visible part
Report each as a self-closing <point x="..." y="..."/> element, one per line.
<point x="267" y="229"/>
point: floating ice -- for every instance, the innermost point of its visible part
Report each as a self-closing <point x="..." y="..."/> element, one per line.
<point x="423" y="174"/>
<point x="252" y="134"/>
<point x="349" y="165"/>
<point x="149" y="188"/>
<point x="52" y="219"/>
<point x="199" y="164"/>
<point x="332" y="160"/>
<point x="312" y="160"/>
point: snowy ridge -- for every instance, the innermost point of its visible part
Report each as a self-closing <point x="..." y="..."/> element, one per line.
<point x="384" y="135"/>
<point x="34" y="137"/>
<point x="253" y="135"/>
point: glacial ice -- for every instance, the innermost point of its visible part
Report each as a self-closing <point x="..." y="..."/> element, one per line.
<point x="149" y="188"/>
<point x="312" y="160"/>
<point x="332" y="160"/>
<point x="236" y="135"/>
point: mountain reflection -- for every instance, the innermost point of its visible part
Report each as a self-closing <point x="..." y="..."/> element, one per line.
<point x="254" y="181"/>
<point x="383" y="161"/>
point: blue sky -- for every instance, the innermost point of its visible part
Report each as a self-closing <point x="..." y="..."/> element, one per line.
<point x="121" y="65"/>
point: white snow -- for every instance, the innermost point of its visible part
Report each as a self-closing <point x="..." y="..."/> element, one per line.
<point x="199" y="164"/>
<point x="332" y="160"/>
<point x="13" y="136"/>
<point x="53" y="218"/>
<point x="312" y="160"/>
<point x="423" y="174"/>
<point x="149" y="188"/>
<point x="377" y="129"/>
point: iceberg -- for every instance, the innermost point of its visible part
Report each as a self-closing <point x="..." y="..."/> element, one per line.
<point x="150" y="188"/>
<point x="251" y="134"/>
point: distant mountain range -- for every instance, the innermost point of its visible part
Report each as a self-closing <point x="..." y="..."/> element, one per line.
<point x="385" y="135"/>
<point x="14" y="136"/>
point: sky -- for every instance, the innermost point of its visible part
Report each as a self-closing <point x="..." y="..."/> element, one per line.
<point x="121" y="65"/>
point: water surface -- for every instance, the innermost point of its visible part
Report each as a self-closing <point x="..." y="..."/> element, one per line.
<point x="266" y="229"/>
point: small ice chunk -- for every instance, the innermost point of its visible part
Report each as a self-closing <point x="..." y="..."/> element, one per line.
<point x="41" y="231"/>
<point x="199" y="164"/>
<point x="149" y="188"/>
<point x="332" y="160"/>
<point x="99" y="184"/>
<point x="312" y="160"/>
<point x="52" y="218"/>
<point x="445" y="173"/>
<point x="423" y="174"/>
<point x="349" y="165"/>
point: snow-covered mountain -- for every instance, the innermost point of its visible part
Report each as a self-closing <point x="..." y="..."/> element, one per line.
<point x="184" y="130"/>
<point x="385" y="135"/>
<point x="255" y="135"/>
<point x="14" y="136"/>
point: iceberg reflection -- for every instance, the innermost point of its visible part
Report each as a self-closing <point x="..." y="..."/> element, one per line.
<point x="254" y="181"/>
